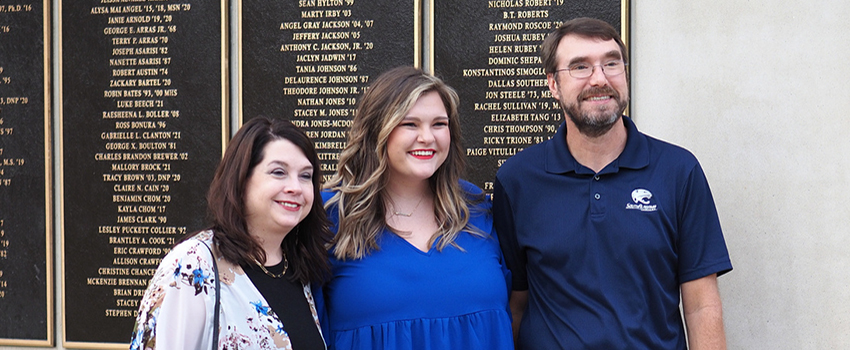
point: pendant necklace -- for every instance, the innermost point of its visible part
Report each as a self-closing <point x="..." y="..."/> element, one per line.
<point x="407" y="215"/>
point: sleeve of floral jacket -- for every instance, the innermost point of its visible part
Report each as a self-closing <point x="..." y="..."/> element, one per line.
<point x="177" y="308"/>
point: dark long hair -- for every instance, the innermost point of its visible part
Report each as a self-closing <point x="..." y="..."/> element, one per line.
<point x="305" y="244"/>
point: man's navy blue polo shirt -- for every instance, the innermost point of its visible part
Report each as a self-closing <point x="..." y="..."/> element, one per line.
<point x="603" y="255"/>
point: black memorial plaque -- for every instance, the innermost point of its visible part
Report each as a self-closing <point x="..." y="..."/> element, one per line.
<point x="489" y="52"/>
<point x="309" y="60"/>
<point x="143" y="125"/>
<point x="26" y="268"/>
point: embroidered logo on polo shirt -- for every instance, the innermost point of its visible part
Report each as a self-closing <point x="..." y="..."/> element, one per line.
<point x="642" y="201"/>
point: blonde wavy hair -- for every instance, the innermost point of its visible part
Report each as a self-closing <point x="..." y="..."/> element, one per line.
<point x="362" y="175"/>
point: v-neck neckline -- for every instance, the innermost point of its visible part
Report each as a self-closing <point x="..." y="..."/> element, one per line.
<point x="411" y="245"/>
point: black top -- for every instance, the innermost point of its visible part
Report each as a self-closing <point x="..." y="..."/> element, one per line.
<point x="286" y="298"/>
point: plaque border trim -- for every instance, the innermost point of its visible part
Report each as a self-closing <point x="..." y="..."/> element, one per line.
<point x="48" y="187"/>
<point x="225" y="75"/>
<point x="625" y="31"/>
<point x="417" y="33"/>
<point x="417" y="48"/>
<point x="225" y="130"/>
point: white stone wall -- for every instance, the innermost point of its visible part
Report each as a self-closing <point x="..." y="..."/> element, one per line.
<point x="759" y="91"/>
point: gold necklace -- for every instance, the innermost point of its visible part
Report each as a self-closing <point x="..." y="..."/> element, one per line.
<point x="285" y="267"/>
<point x="407" y="215"/>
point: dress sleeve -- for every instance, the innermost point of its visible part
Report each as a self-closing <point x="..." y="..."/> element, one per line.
<point x="176" y="310"/>
<point x="505" y="271"/>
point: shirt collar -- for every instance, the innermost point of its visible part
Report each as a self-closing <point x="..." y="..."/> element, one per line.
<point x="635" y="155"/>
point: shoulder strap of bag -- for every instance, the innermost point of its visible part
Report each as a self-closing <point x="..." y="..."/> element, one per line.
<point x="217" y="298"/>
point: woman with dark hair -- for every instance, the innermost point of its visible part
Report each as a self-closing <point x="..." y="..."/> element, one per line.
<point x="267" y="239"/>
<point x="415" y="262"/>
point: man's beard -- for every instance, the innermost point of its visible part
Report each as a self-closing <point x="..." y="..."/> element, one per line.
<point x="595" y="123"/>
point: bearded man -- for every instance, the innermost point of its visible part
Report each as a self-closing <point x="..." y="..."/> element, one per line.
<point x="603" y="227"/>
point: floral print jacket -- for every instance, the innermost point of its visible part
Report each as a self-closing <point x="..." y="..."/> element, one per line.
<point x="176" y="311"/>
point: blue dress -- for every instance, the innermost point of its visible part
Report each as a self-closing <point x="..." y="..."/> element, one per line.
<point x="400" y="297"/>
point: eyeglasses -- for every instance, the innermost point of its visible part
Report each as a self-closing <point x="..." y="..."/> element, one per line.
<point x="583" y="70"/>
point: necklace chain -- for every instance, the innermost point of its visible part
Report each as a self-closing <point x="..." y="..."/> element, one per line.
<point x="407" y="215"/>
<point x="272" y="275"/>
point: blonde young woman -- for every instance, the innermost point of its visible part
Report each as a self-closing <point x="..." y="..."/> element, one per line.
<point x="415" y="262"/>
